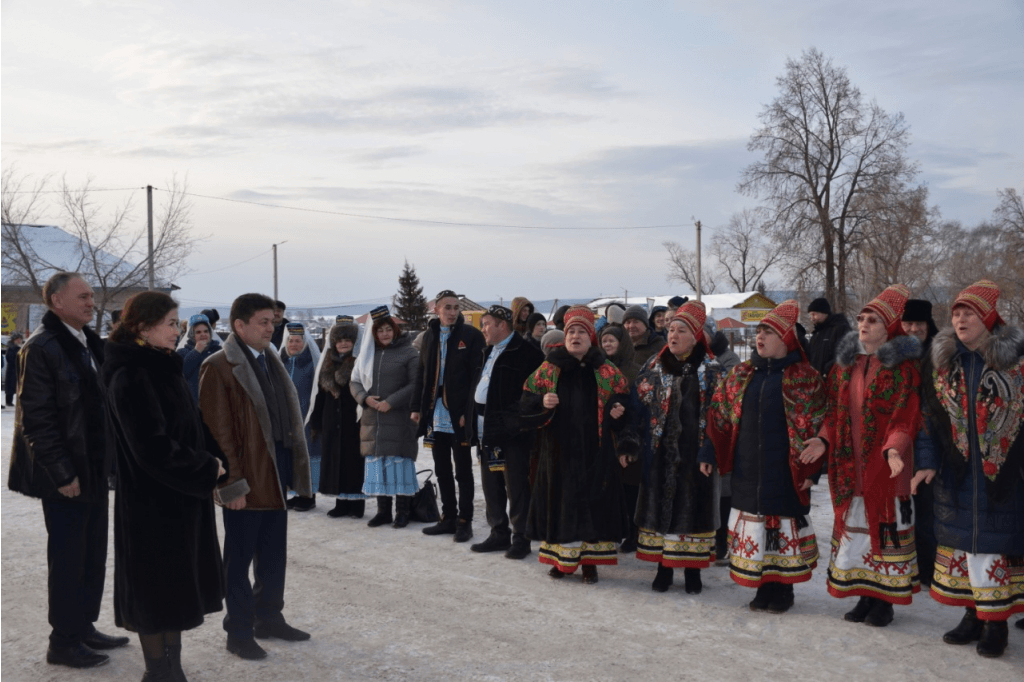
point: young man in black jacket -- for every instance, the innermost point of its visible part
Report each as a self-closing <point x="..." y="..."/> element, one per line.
<point x="62" y="455"/>
<point x="829" y="329"/>
<point x="450" y="357"/>
<point x="504" y="449"/>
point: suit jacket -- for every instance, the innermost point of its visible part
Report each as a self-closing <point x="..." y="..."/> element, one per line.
<point x="235" y="411"/>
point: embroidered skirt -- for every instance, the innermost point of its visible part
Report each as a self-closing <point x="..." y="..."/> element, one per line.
<point x="991" y="583"/>
<point x="855" y="572"/>
<point x="567" y="557"/>
<point x="676" y="551"/>
<point x="390" y="476"/>
<point x="775" y="549"/>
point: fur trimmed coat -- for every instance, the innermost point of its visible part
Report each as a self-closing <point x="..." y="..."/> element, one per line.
<point x="167" y="563"/>
<point x="236" y="412"/>
<point x="890" y="409"/>
<point x="675" y="497"/>
<point x="334" y="424"/>
<point x="577" y="495"/>
<point x="974" y="403"/>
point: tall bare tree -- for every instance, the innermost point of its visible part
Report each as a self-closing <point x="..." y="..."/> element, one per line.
<point x="824" y="149"/>
<point x="112" y="243"/>
<point x="683" y="268"/>
<point x="743" y="250"/>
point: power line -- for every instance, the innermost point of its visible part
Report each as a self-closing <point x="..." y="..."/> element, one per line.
<point x="426" y="220"/>
<point x="90" y="189"/>
<point x="228" y="267"/>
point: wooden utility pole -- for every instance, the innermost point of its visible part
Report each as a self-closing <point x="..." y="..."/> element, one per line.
<point x="275" y="266"/>
<point x="149" y="212"/>
<point x="699" y="282"/>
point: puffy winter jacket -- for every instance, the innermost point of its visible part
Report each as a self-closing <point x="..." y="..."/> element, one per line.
<point x="391" y="433"/>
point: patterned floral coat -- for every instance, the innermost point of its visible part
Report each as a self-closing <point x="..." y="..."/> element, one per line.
<point x="890" y="417"/>
<point x="577" y="494"/>
<point x="675" y="498"/>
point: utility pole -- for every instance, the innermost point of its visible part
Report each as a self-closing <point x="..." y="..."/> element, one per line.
<point x="149" y="212"/>
<point x="275" y="267"/>
<point x="699" y="282"/>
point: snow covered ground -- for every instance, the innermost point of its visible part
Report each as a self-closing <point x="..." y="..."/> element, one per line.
<point x="385" y="604"/>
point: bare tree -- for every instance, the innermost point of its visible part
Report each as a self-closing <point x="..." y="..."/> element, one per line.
<point x="824" y="149"/>
<point x="683" y="268"/>
<point x="743" y="251"/>
<point x="112" y="244"/>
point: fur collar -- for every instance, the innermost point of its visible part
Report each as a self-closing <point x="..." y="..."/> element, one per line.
<point x="892" y="352"/>
<point x="336" y="373"/>
<point x="1001" y="350"/>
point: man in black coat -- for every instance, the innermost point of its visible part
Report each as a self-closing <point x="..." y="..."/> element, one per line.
<point x="11" y="379"/>
<point x="829" y="329"/>
<point x="450" y="358"/>
<point x="62" y="455"/>
<point x="504" y="450"/>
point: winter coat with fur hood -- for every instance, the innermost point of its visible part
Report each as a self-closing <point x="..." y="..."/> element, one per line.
<point x="391" y="433"/>
<point x="236" y="412"/>
<point x="577" y="495"/>
<point x="167" y="563"/>
<point x="974" y="404"/>
<point x="60" y="425"/>
<point x="675" y="498"/>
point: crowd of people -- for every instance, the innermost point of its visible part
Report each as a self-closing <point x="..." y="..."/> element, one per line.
<point x="638" y="432"/>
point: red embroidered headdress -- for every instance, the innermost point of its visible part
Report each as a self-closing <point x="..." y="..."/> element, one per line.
<point x="981" y="297"/>
<point x="889" y="305"/>
<point x="584" y="316"/>
<point x="782" y="320"/>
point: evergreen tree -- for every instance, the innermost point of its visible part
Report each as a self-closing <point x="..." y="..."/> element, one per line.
<point x="409" y="303"/>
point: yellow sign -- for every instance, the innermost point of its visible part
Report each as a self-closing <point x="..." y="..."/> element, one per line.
<point x="9" y="315"/>
<point x="749" y="316"/>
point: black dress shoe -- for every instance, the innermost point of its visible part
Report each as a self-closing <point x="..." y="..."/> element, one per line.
<point x="859" y="612"/>
<point x="520" y="549"/>
<point x="967" y="630"/>
<point x="463" y="531"/>
<point x="880" y="615"/>
<point x="290" y="502"/>
<point x="98" y="640"/>
<point x="246" y="648"/>
<point x="445" y="526"/>
<point x="78" y="656"/>
<point x="493" y="543"/>
<point x="279" y="630"/>
<point x="302" y="504"/>
<point x="994" y="636"/>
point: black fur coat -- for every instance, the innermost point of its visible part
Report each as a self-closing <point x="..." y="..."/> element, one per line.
<point x="167" y="562"/>
<point x="335" y="425"/>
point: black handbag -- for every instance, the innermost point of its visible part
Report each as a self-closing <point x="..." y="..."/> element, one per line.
<point x="424" y="502"/>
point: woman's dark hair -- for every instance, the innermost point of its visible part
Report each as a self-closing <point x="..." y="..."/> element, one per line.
<point x="141" y="311"/>
<point x="380" y="323"/>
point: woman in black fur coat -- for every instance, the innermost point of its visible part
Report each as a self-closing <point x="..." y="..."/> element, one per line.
<point x="167" y="562"/>
<point x="577" y="400"/>
<point x="335" y="424"/>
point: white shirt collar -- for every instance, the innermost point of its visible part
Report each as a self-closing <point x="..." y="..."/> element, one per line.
<point x="77" y="333"/>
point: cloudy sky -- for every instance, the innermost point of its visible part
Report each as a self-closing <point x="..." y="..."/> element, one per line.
<point x="544" y="114"/>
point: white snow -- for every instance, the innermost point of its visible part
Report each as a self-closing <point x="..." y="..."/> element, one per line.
<point x="386" y="604"/>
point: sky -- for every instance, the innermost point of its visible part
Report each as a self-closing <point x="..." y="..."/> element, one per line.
<point x="418" y="113"/>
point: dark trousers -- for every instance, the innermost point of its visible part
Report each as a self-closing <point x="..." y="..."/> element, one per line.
<point x="510" y="487"/>
<point x="9" y="395"/>
<point x="722" y="534"/>
<point x="630" y="494"/>
<point x="259" y="538"/>
<point x="76" y="556"/>
<point x="924" y="531"/>
<point x="447" y="447"/>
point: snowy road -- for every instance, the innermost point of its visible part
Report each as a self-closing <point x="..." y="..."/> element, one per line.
<point x="385" y="604"/>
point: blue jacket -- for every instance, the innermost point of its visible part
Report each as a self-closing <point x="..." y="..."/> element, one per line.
<point x="302" y="370"/>
<point x="192" y="360"/>
<point x="973" y="514"/>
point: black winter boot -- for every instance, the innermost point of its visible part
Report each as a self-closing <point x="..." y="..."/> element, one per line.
<point x="994" y="635"/>
<point x="782" y="599"/>
<point x="341" y="508"/>
<point x="1019" y="624"/>
<point x="967" y="630"/>
<point x="663" y="580"/>
<point x="302" y="504"/>
<point x="860" y="611"/>
<point x="357" y="508"/>
<point x="158" y="669"/>
<point x="880" y="615"/>
<point x="174" y="656"/>
<point x="383" y="512"/>
<point x="765" y="593"/>
<point x="403" y="503"/>
<point x="692" y="581"/>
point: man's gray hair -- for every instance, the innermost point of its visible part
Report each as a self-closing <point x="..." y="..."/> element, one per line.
<point x="56" y="284"/>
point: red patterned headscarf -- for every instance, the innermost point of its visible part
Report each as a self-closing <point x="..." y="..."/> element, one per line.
<point x="981" y="297"/>
<point x="889" y="306"/>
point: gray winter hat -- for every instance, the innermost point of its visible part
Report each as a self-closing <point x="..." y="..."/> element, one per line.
<point x="635" y="312"/>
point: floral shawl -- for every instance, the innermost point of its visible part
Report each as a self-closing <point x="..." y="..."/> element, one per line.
<point x="609" y="382"/>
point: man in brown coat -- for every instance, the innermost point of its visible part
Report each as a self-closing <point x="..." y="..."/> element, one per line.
<point x="250" y="406"/>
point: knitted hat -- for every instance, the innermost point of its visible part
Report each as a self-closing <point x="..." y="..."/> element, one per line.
<point x="889" y="305"/>
<point x="635" y="312"/>
<point x="551" y="339"/>
<point x="919" y="310"/>
<point x="820" y="305"/>
<point x="583" y="316"/>
<point x="677" y="301"/>
<point x="559" y="317"/>
<point x="500" y="312"/>
<point x="782" y="320"/>
<point x="981" y="297"/>
<point x="692" y="314"/>
<point x="199" y="318"/>
<point x="532" y="321"/>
